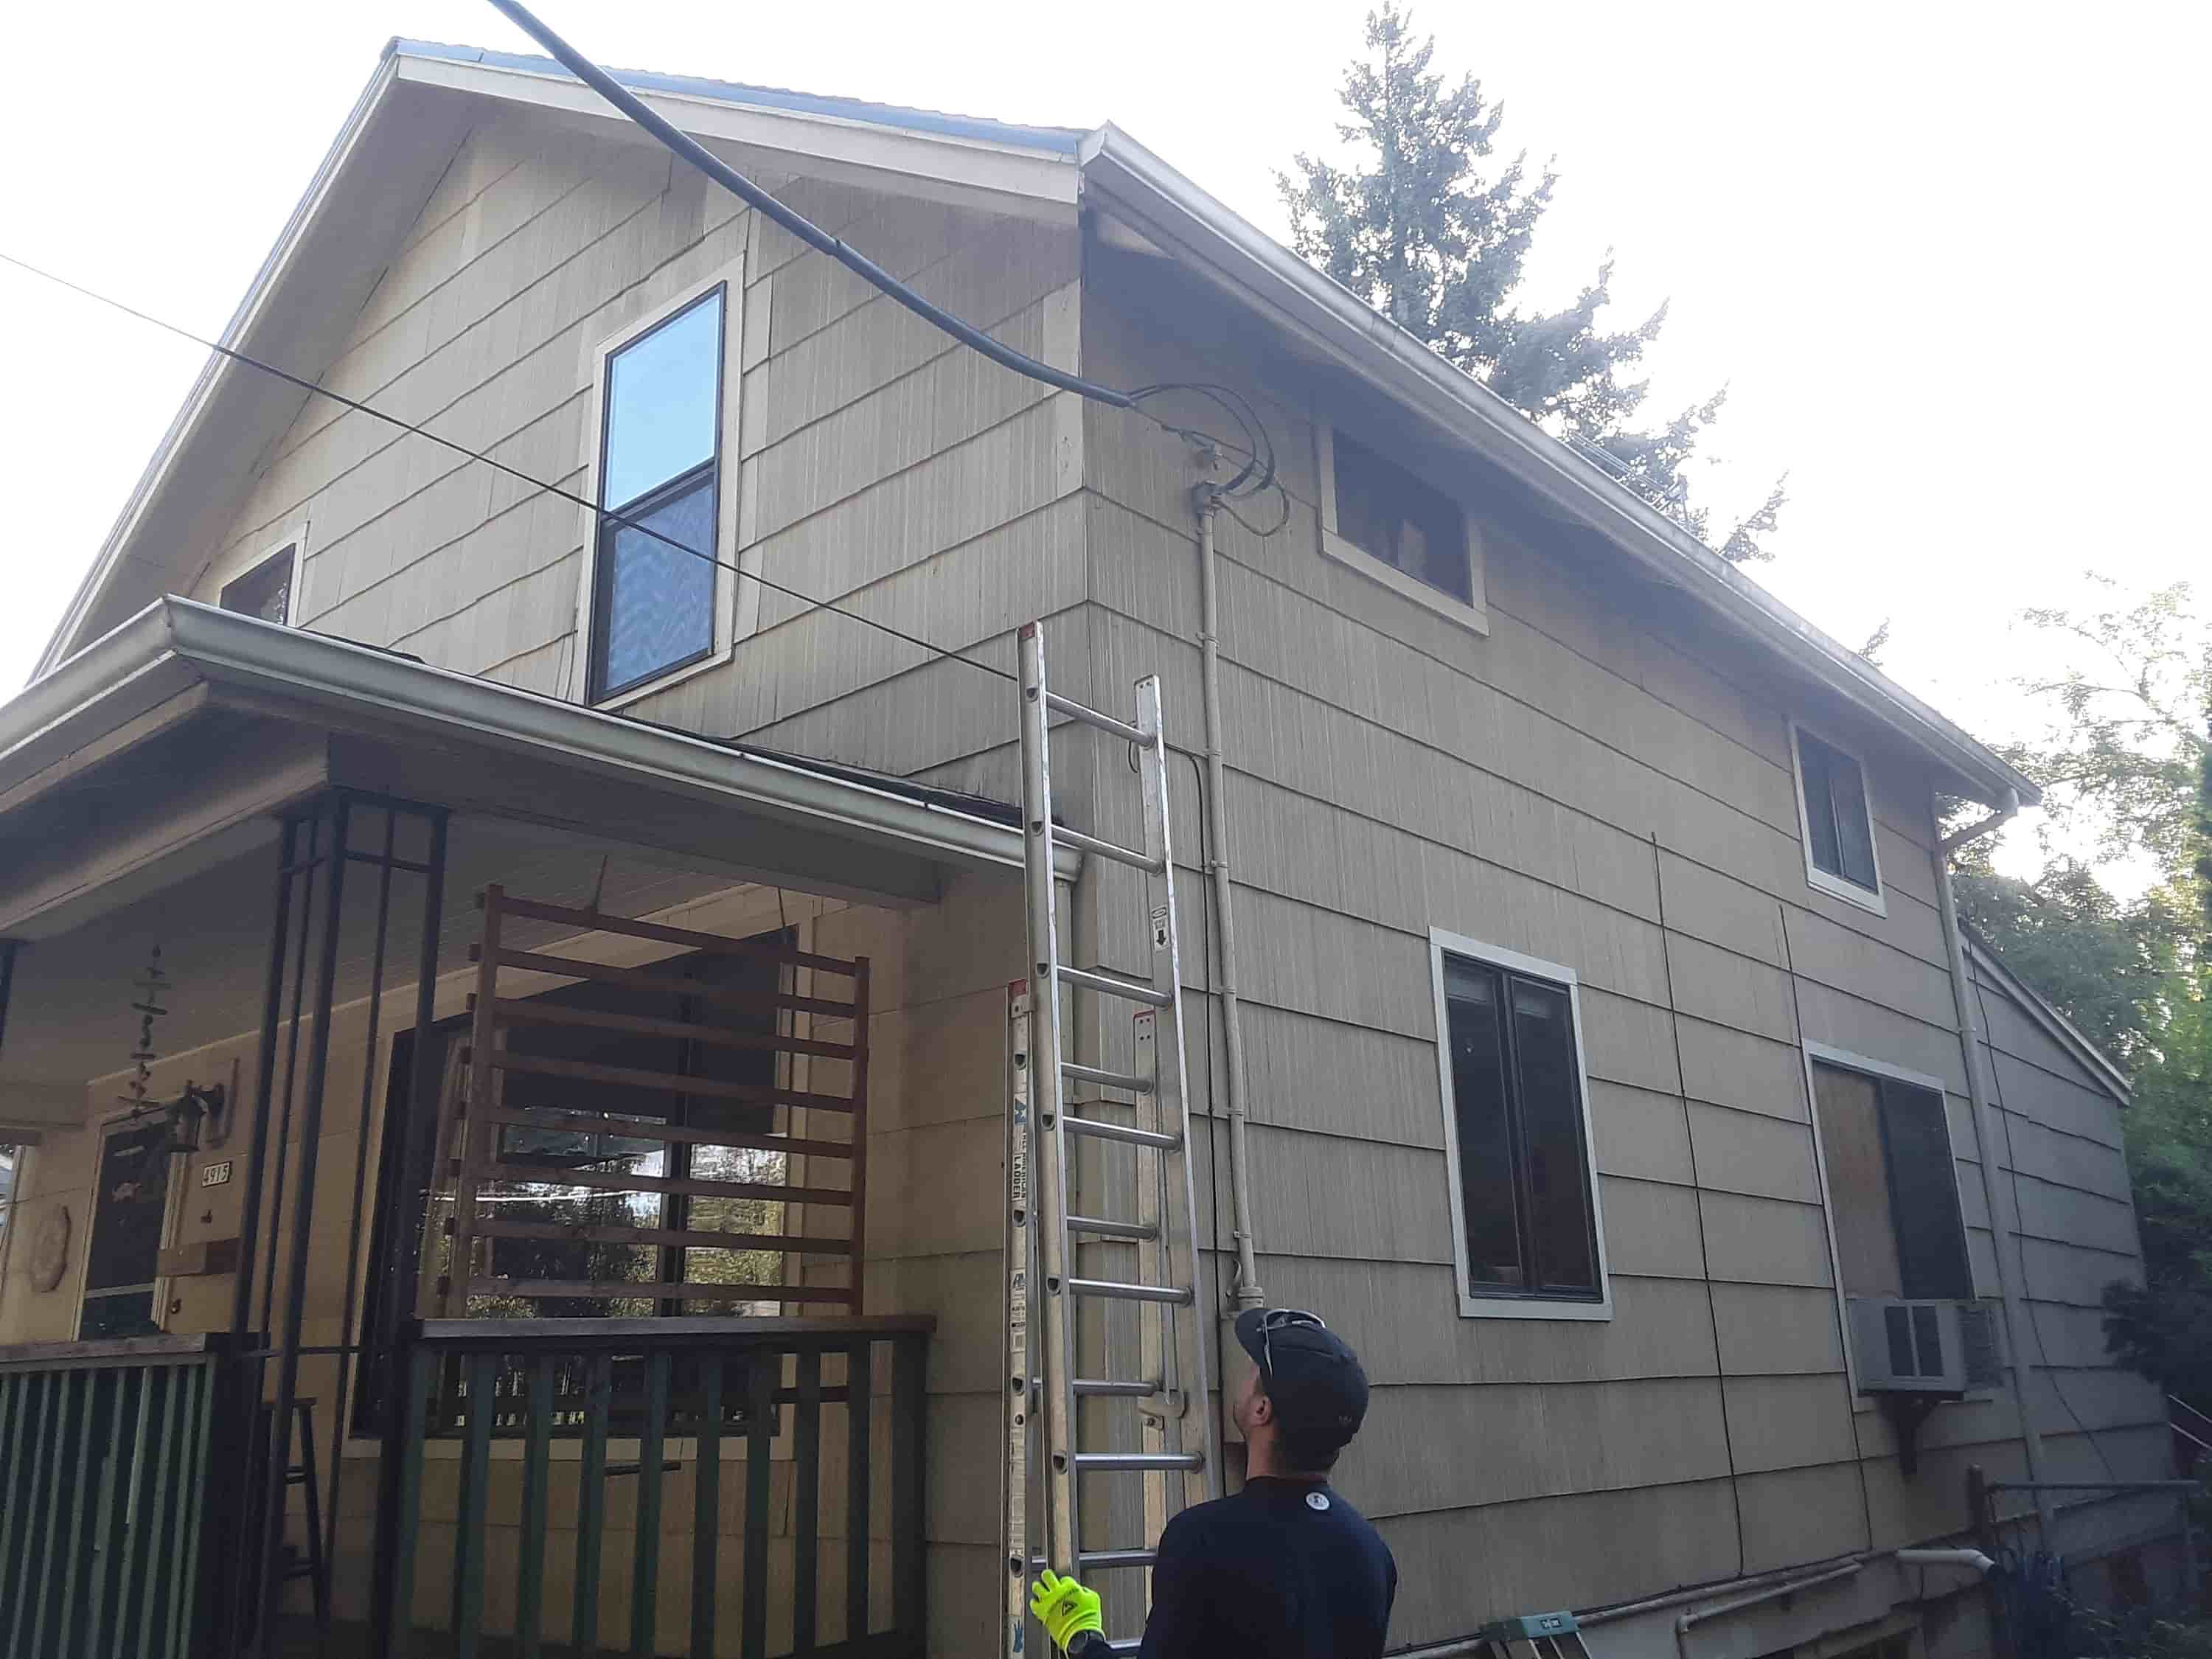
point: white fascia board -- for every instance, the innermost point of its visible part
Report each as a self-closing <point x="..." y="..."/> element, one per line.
<point x="217" y="368"/>
<point x="1130" y="182"/>
<point x="1013" y="172"/>
<point x="227" y="649"/>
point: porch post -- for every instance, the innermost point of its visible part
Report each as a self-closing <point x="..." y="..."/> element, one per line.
<point x="302" y="1216"/>
<point x="264" y="1067"/>
<point x="382" y="1347"/>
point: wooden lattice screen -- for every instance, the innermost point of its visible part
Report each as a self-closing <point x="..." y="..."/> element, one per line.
<point x="474" y="1140"/>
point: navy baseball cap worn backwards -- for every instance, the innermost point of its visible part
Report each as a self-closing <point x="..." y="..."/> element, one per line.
<point x="1311" y="1374"/>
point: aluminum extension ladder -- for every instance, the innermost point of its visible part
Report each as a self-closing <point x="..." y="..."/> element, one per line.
<point x="1045" y="1284"/>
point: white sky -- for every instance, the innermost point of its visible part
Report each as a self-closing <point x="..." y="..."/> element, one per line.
<point x="1945" y="256"/>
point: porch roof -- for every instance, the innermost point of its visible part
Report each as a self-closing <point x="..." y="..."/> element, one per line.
<point x="384" y="720"/>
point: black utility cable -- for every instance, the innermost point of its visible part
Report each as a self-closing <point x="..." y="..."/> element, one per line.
<point x="605" y="514"/>
<point x="1258" y="472"/>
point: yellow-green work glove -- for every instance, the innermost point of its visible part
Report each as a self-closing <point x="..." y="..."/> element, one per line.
<point x="1064" y="1608"/>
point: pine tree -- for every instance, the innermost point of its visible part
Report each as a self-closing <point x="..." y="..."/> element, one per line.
<point x="1435" y="240"/>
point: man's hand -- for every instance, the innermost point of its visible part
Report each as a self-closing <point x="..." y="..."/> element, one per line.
<point x="1064" y="1608"/>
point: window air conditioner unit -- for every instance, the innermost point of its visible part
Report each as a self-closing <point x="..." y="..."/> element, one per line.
<point x="1923" y="1347"/>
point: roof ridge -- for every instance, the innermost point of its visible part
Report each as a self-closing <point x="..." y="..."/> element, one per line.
<point x="943" y="123"/>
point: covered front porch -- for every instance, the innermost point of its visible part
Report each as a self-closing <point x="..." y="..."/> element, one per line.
<point x="480" y="1154"/>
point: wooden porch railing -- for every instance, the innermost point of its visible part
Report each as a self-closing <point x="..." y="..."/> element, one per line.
<point x="655" y="1420"/>
<point x="113" y="1464"/>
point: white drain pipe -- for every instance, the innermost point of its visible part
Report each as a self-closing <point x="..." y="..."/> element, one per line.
<point x="1979" y="1090"/>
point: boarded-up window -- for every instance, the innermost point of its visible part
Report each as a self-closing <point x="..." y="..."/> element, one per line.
<point x="265" y="591"/>
<point x="1838" y="831"/>
<point x="1893" y="1189"/>
<point x="1526" y="1205"/>
<point x="659" y="469"/>
<point x="1384" y="510"/>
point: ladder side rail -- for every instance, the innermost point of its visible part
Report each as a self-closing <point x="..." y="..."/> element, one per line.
<point x="1171" y="1093"/>
<point x="1063" y="1538"/>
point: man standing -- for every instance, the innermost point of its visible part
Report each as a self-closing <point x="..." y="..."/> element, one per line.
<point x="1285" y="1568"/>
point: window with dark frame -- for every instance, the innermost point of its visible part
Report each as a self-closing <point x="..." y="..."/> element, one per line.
<point x="1524" y="1175"/>
<point x="1837" y="825"/>
<point x="407" y="1239"/>
<point x="660" y="444"/>
<point x="1385" y="511"/>
<point x="265" y="591"/>
<point x="1893" y="1186"/>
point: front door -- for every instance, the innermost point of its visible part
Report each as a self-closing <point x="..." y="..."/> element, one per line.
<point x="130" y="1208"/>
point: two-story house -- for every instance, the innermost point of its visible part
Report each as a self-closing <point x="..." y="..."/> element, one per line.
<point x="1608" y="1067"/>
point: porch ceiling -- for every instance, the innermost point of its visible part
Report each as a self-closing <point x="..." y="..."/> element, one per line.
<point x="174" y="737"/>
<point x="141" y="783"/>
<point x="70" y="1018"/>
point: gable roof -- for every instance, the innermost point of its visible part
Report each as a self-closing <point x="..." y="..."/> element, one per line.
<point x="409" y="121"/>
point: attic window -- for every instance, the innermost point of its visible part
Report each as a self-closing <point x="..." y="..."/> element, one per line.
<point x="1399" y="530"/>
<point x="1839" y="855"/>
<point x="265" y="591"/>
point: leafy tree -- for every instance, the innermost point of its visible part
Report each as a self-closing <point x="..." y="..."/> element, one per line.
<point x="2126" y="760"/>
<point x="1435" y="239"/>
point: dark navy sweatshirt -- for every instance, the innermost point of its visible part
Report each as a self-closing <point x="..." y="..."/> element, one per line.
<point x="1283" y="1570"/>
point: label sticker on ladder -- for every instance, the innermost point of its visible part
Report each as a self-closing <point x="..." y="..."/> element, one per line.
<point x="1160" y="927"/>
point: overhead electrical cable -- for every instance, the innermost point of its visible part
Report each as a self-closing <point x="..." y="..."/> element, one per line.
<point x="607" y="514"/>
<point x="1258" y="472"/>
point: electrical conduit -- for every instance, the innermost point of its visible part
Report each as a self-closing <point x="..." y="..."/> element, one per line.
<point x="1249" y="1291"/>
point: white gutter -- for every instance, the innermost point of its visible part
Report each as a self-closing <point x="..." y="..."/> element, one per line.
<point x="228" y="649"/>
<point x="1129" y="181"/>
<point x="1981" y="1093"/>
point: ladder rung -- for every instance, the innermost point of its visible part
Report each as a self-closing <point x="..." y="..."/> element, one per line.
<point x="1117" y="987"/>
<point x="1121" y="1291"/>
<point x="1128" y="1080"/>
<point x="1091" y="1126"/>
<point x="1115" y="1387"/>
<point x="1106" y="723"/>
<point x="1119" y="1645"/>
<point x="1116" y="1558"/>
<point x="1106" y="849"/>
<point x="1130" y="1557"/>
<point x="1099" y="1226"/>
<point x="1124" y="1462"/>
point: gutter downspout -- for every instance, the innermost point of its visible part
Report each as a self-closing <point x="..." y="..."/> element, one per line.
<point x="1979" y="1088"/>
<point x="1248" y="1292"/>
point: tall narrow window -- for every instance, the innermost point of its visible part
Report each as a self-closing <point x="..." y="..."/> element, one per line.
<point x="660" y="470"/>
<point x="1838" y="828"/>
<point x="1518" y="1135"/>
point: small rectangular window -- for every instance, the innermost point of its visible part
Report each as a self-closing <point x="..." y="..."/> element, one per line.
<point x="1893" y="1186"/>
<point x="265" y="591"/>
<point x="1516" y="1125"/>
<point x="1839" y="827"/>
<point x="1385" y="511"/>
<point x="659" y="468"/>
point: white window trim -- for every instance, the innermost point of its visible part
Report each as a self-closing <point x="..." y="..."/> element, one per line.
<point x="172" y="1205"/>
<point x="1474" y="1304"/>
<point x="221" y="574"/>
<point x="1845" y="1060"/>
<point x="737" y="603"/>
<point x="1474" y="616"/>
<point x="1818" y="879"/>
